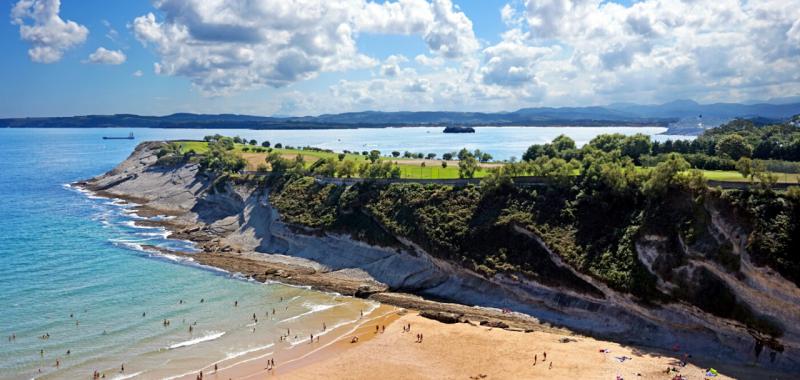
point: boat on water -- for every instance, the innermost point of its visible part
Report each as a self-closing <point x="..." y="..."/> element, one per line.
<point x="128" y="137"/>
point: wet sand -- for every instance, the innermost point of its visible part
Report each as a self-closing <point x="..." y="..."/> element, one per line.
<point x="289" y="359"/>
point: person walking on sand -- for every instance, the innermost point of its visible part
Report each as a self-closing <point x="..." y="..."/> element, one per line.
<point x="236" y="303"/>
<point x="122" y="367"/>
<point x="535" y="359"/>
<point x="215" y="367"/>
<point x="323" y="326"/>
<point x="551" y="365"/>
<point x="545" y="356"/>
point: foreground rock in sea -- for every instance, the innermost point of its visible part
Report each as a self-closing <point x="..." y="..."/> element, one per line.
<point x="238" y="229"/>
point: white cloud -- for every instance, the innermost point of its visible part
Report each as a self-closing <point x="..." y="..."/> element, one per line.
<point x="107" y="57"/>
<point x="224" y="46"/>
<point x="652" y="50"/>
<point x="391" y="66"/>
<point x="138" y="73"/>
<point x="49" y="35"/>
<point x="425" y="60"/>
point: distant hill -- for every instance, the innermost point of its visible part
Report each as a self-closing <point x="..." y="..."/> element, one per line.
<point x="681" y="116"/>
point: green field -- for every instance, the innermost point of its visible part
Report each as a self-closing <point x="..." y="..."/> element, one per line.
<point x="734" y="176"/>
<point x="411" y="168"/>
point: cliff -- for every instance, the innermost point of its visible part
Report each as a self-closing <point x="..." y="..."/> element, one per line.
<point x="689" y="278"/>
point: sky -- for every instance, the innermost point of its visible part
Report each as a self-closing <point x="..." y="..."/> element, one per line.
<point x="310" y="57"/>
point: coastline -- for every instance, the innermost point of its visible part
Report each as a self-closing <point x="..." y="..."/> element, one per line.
<point x="235" y="227"/>
<point x="446" y="322"/>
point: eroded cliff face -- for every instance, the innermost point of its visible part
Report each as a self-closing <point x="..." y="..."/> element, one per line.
<point x="241" y="217"/>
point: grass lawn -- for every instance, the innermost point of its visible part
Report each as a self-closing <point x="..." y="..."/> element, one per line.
<point x="409" y="167"/>
<point x="734" y="176"/>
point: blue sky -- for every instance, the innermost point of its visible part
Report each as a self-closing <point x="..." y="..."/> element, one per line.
<point x="219" y="56"/>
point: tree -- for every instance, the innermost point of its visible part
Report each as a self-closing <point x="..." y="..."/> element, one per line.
<point x="431" y="156"/>
<point x="665" y="174"/>
<point x="467" y="166"/>
<point x="734" y="147"/>
<point x="346" y="168"/>
<point x="223" y="143"/>
<point x="395" y="154"/>
<point x="278" y="146"/>
<point x="374" y="155"/>
<point x="607" y="142"/>
<point x="419" y="155"/>
<point x="534" y="151"/>
<point x="562" y="143"/>
<point x="265" y="144"/>
<point x="407" y="154"/>
<point x="447" y="156"/>
<point x="486" y="157"/>
<point x="636" y="146"/>
<point x="745" y="167"/>
<point x="342" y="156"/>
<point x="253" y="142"/>
<point x="325" y="167"/>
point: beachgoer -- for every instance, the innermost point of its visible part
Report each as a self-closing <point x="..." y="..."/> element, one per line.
<point x="551" y="365"/>
<point x="143" y="314"/>
<point x="323" y="326"/>
<point x="122" y="367"/>
<point x="235" y="303"/>
<point x="58" y="363"/>
<point x="377" y="328"/>
<point x="41" y="353"/>
<point x="354" y="340"/>
<point x="535" y="359"/>
<point x="215" y="367"/>
<point x="544" y="359"/>
<point x="202" y="300"/>
<point x="68" y="352"/>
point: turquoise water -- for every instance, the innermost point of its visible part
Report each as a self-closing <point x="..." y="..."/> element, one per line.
<point x="64" y="253"/>
<point x="71" y="265"/>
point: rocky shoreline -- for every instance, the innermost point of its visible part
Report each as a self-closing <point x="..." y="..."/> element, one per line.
<point x="298" y="272"/>
<point x="236" y="229"/>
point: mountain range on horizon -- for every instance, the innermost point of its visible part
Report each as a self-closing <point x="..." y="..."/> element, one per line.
<point x="681" y="116"/>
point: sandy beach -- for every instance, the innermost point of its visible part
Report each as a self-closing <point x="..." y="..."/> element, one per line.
<point x="464" y="351"/>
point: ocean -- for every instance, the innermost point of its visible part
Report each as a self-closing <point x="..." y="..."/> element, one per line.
<point x="73" y="276"/>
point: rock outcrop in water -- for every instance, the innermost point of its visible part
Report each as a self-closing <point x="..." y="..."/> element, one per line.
<point x="236" y="218"/>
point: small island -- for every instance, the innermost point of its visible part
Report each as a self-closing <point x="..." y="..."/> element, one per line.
<point x="458" y="129"/>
